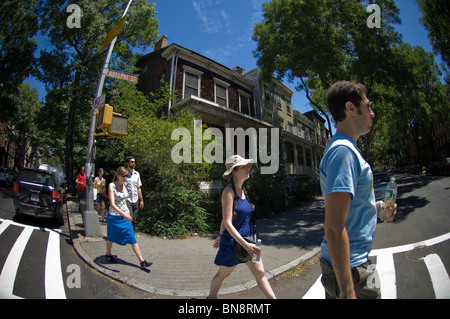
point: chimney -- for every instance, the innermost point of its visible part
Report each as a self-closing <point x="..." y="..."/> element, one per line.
<point x="162" y="43"/>
<point x="239" y="70"/>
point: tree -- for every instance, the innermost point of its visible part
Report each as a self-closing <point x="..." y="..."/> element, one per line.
<point x="70" y="70"/>
<point x="174" y="204"/>
<point x="436" y="19"/>
<point x="23" y="127"/>
<point x="319" y="42"/>
<point x="18" y="25"/>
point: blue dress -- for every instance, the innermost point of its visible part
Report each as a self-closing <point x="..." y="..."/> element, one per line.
<point x="225" y="256"/>
<point x="120" y="230"/>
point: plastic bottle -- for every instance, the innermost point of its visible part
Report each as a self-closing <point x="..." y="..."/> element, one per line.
<point x="257" y="258"/>
<point x="391" y="190"/>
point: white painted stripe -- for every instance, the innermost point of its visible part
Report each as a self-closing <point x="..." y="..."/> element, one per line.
<point x="9" y="271"/>
<point x="54" y="283"/>
<point x="10" y="222"/>
<point x="403" y="248"/>
<point x="316" y="291"/>
<point x="437" y="240"/>
<point x="4" y="225"/>
<point x="392" y="250"/>
<point x="439" y="276"/>
<point x="386" y="272"/>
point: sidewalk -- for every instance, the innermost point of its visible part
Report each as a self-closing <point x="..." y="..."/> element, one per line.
<point x="185" y="267"/>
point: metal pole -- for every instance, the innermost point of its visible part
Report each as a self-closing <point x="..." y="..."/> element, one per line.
<point x="92" y="225"/>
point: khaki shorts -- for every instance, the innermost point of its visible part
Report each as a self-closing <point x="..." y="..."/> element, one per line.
<point x="365" y="280"/>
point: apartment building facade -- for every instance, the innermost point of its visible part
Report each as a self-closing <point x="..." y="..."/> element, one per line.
<point x="231" y="98"/>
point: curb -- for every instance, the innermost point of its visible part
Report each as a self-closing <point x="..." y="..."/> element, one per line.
<point x="179" y="292"/>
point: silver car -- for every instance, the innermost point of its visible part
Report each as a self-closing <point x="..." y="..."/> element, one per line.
<point x="380" y="181"/>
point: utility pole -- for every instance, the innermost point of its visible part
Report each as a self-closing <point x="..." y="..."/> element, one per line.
<point x="91" y="223"/>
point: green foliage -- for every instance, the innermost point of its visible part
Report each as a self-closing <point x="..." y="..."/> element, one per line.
<point x="71" y="68"/>
<point x="174" y="204"/>
<point x="319" y="42"/>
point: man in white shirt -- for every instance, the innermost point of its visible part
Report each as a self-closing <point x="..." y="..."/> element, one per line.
<point x="133" y="184"/>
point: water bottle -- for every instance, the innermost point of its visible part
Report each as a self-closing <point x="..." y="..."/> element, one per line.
<point x="391" y="190"/>
<point x="257" y="258"/>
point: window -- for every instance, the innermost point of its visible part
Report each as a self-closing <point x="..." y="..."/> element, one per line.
<point x="244" y="102"/>
<point x="266" y="93"/>
<point x="269" y="117"/>
<point x="221" y="95"/>
<point x="191" y="79"/>
<point x="191" y="84"/>
<point x="245" y="105"/>
<point x="221" y="92"/>
<point x="288" y="108"/>
<point x="278" y="100"/>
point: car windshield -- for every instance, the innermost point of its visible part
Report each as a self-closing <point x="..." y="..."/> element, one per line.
<point x="381" y="178"/>
<point x="37" y="178"/>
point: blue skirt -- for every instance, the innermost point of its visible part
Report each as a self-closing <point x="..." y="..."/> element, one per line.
<point x="120" y="230"/>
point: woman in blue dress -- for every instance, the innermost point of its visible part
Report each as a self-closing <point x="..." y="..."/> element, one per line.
<point x="119" y="226"/>
<point x="234" y="228"/>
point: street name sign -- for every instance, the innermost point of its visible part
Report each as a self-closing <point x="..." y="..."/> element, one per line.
<point x="122" y="76"/>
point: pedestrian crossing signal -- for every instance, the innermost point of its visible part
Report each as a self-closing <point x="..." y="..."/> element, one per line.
<point x="104" y="117"/>
<point x="119" y="124"/>
<point x="111" y="123"/>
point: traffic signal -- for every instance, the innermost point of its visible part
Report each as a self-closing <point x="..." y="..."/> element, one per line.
<point x="107" y="118"/>
<point x="119" y="125"/>
<point x="104" y="117"/>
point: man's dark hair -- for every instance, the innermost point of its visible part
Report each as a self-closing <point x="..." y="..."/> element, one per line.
<point x="129" y="158"/>
<point x="342" y="92"/>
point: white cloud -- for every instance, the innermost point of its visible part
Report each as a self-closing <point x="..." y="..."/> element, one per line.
<point x="207" y="13"/>
<point x="228" y="52"/>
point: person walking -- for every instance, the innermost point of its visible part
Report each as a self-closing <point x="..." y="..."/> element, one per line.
<point x="119" y="227"/>
<point x="133" y="185"/>
<point x="351" y="212"/>
<point x="100" y="186"/>
<point x="81" y="189"/>
<point x="234" y="228"/>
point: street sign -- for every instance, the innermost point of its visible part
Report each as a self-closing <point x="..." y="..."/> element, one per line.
<point x="99" y="101"/>
<point x="122" y="76"/>
<point x="112" y="33"/>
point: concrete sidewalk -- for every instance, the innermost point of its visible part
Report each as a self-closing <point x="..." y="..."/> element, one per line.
<point x="185" y="267"/>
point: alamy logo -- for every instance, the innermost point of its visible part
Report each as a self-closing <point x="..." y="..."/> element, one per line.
<point x="74" y="20"/>
<point x="213" y="152"/>
<point x="74" y="279"/>
<point x="374" y="20"/>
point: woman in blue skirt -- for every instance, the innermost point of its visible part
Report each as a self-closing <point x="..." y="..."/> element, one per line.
<point x="120" y="229"/>
<point x="234" y="228"/>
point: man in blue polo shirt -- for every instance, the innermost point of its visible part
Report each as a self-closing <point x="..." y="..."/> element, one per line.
<point x="350" y="208"/>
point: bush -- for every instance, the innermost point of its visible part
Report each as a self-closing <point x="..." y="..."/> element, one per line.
<point x="175" y="212"/>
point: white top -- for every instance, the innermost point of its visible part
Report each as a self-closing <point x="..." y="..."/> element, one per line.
<point x="132" y="183"/>
<point x="120" y="199"/>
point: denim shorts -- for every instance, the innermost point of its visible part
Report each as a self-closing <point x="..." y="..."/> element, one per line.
<point x="365" y="280"/>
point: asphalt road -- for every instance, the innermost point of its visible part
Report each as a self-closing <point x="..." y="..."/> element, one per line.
<point x="423" y="203"/>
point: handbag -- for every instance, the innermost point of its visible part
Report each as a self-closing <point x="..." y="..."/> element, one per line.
<point x="240" y="251"/>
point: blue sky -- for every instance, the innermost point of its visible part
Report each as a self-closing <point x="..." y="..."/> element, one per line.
<point x="222" y="30"/>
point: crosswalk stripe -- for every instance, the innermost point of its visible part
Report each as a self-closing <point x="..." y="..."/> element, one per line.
<point x="4" y="225"/>
<point x="439" y="276"/>
<point x="316" y="291"/>
<point x="386" y="272"/>
<point x="9" y="271"/>
<point x="54" y="283"/>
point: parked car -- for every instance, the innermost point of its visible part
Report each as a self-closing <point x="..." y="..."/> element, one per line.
<point x="40" y="193"/>
<point x="6" y="176"/>
<point x="380" y="181"/>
